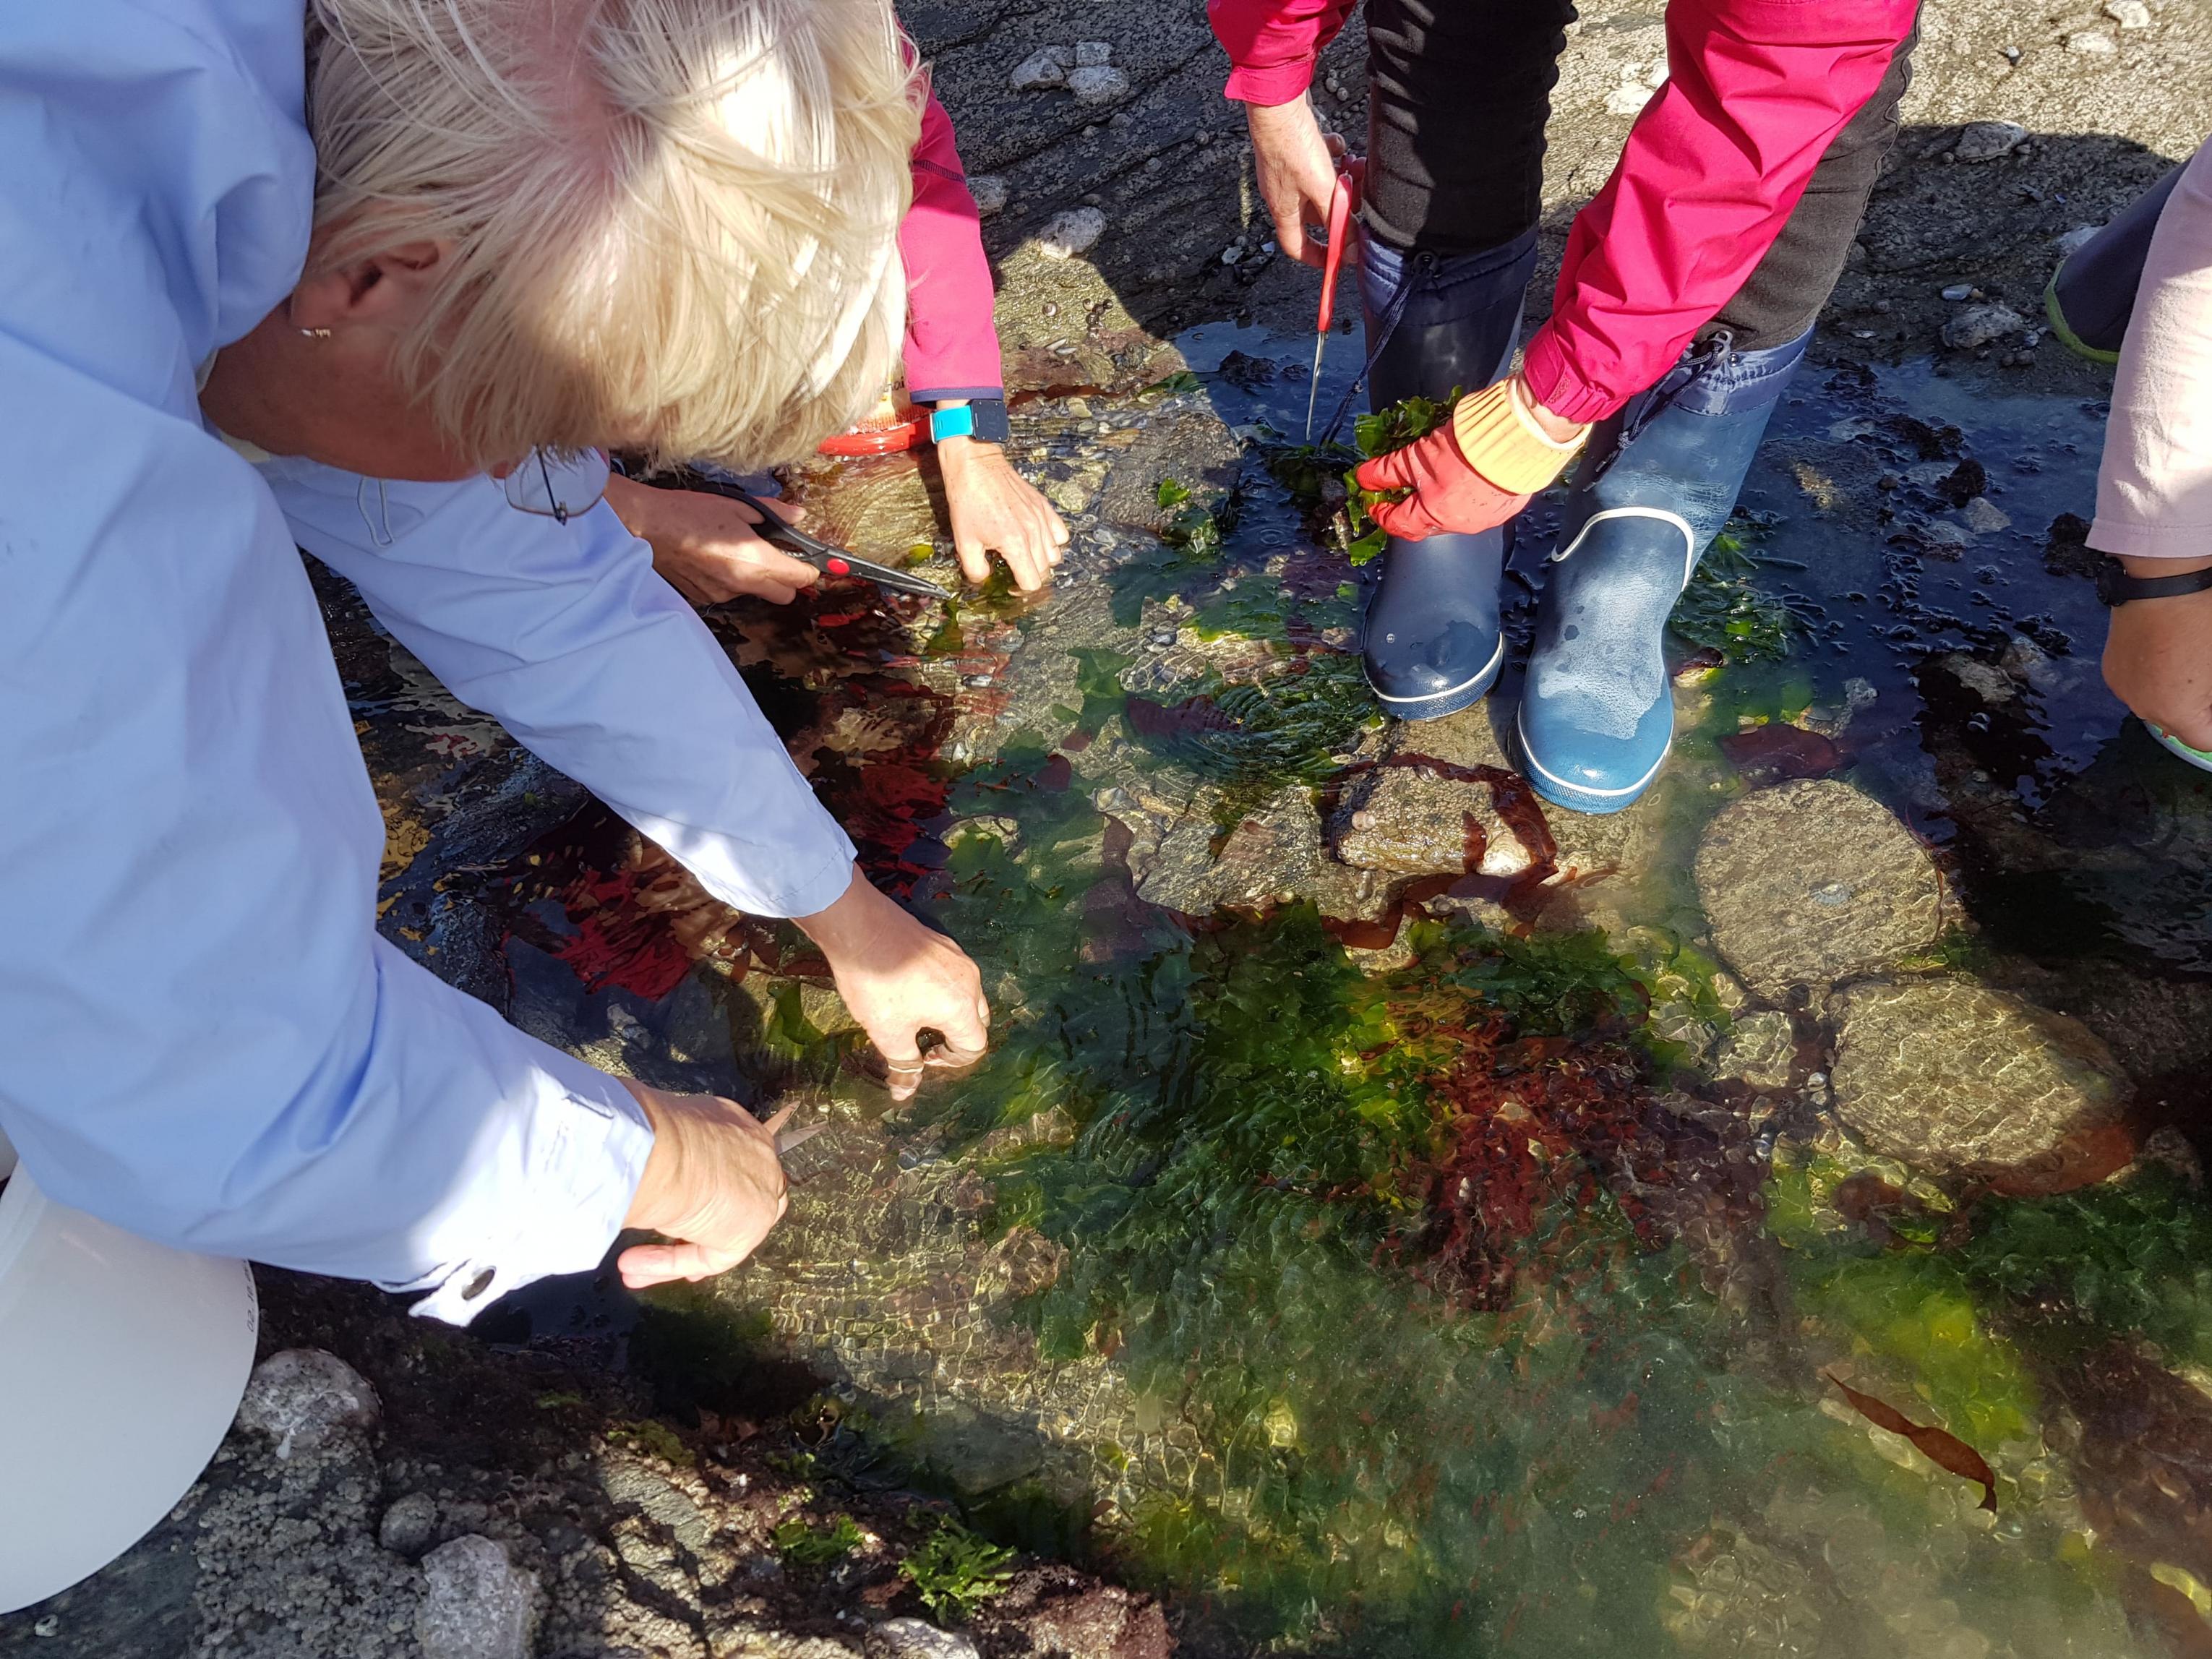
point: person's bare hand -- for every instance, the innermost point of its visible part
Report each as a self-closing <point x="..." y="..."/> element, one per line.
<point x="900" y="979"/>
<point x="705" y="546"/>
<point x="2158" y="656"/>
<point x="712" y="1184"/>
<point x="1295" y="166"/>
<point x="995" y="509"/>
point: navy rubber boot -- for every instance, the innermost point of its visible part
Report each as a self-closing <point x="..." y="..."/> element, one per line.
<point x="1660" y="480"/>
<point x="1431" y="644"/>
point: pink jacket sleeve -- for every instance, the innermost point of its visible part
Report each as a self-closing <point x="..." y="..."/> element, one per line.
<point x="1272" y="43"/>
<point x="1711" y="170"/>
<point x="951" y="343"/>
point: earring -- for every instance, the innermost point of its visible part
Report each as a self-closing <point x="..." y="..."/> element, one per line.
<point x="316" y="333"/>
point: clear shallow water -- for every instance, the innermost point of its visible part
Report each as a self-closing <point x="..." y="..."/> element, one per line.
<point x="1395" y="1309"/>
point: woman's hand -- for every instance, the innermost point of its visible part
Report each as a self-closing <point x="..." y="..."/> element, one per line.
<point x="995" y="508"/>
<point x="2158" y="656"/>
<point x="713" y="1182"/>
<point x="1295" y="166"/>
<point x="704" y="545"/>
<point x="899" y="979"/>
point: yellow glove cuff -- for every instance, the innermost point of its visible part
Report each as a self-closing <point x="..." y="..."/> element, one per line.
<point x="1500" y="438"/>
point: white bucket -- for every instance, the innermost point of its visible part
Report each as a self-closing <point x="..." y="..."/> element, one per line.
<point x="122" y="1364"/>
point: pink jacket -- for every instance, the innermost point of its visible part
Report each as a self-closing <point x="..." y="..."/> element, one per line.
<point x="1712" y="168"/>
<point x="951" y="343"/>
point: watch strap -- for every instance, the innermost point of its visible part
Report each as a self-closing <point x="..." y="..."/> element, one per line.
<point x="983" y="419"/>
<point x="2116" y="586"/>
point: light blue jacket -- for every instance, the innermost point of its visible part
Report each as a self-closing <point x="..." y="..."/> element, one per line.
<point x="202" y="1038"/>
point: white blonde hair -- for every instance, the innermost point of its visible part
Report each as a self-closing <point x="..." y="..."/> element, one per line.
<point x="672" y="223"/>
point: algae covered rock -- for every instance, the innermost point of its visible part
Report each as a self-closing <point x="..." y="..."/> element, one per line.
<point x="1814" y="882"/>
<point x="1947" y="1074"/>
<point x="1414" y="820"/>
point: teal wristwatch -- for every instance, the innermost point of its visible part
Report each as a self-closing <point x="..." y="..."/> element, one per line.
<point x="981" y="418"/>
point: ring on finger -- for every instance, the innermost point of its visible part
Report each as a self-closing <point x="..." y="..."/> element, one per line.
<point x="906" y="1071"/>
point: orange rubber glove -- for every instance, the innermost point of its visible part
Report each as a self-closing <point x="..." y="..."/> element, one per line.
<point x="1474" y="473"/>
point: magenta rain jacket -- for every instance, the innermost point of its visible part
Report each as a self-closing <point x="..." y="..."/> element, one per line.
<point x="1756" y="89"/>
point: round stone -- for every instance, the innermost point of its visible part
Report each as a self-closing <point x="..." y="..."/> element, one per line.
<point x="303" y="1398"/>
<point x="410" y="1524"/>
<point x="1812" y="882"/>
<point x="1946" y="1074"/>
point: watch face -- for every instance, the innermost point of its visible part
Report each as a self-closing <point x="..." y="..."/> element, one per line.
<point x="990" y="414"/>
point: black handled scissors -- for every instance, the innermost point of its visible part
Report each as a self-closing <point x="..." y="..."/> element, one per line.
<point x="829" y="560"/>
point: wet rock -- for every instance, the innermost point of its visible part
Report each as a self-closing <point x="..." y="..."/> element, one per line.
<point x="1813" y="882"/>
<point x="304" y="1398"/>
<point x="409" y="1524"/>
<point x="1076" y="231"/>
<point x="1045" y="67"/>
<point x="991" y="193"/>
<point x="1414" y="821"/>
<point x="1759" y="1050"/>
<point x="1946" y="1074"/>
<point x="1478" y="911"/>
<point x="1777" y="750"/>
<point x="916" y="1639"/>
<point x="1984" y="517"/>
<point x="1266" y="855"/>
<point x="1985" y="141"/>
<point x="2128" y="14"/>
<point x="476" y="1604"/>
<point x="1986" y="680"/>
<point x="1980" y="325"/>
<point x="1098" y="83"/>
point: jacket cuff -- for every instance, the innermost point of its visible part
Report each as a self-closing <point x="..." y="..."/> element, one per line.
<point x="1272" y="83"/>
<point x="588" y="1163"/>
<point x="1553" y="381"/>
<point x="932" y="394"/>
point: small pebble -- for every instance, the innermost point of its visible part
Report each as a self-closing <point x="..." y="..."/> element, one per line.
<point x="1091" y="54"/>
<point x="1985" y="141"/>
<point x="1097" y="84"/>
<point x="2128" y="14"/>
<point x="2012" y="54"/>
<point x="991" y="193"/>
<point x="1040" y="69"/>
<point x="1981" y="325"/>
<point x="1960" y="291"/>
<point x="2095" y="42"/>
<point x="49" y="1625"/>
<point x="1074" y="232"/>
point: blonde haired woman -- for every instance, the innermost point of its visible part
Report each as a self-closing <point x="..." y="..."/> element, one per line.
<point x="538" y="228"/>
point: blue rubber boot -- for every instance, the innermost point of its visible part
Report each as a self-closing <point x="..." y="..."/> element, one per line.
<point x="1658" y="483"/>
<point x="1430" y="645"/>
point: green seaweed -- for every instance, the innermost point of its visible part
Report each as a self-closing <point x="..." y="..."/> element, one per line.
<point x="1255" y="737"/>
<point x="2133" y="1257"/>
<point x="955" y="1571"/>
<point x="1722" y="610"/>
<point x="802" y="1544"/>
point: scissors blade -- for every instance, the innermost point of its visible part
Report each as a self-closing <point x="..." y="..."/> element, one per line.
<point x="790" y="1140"/>
<point x="826" y="556"/>
<point x="1313" y="384"/>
